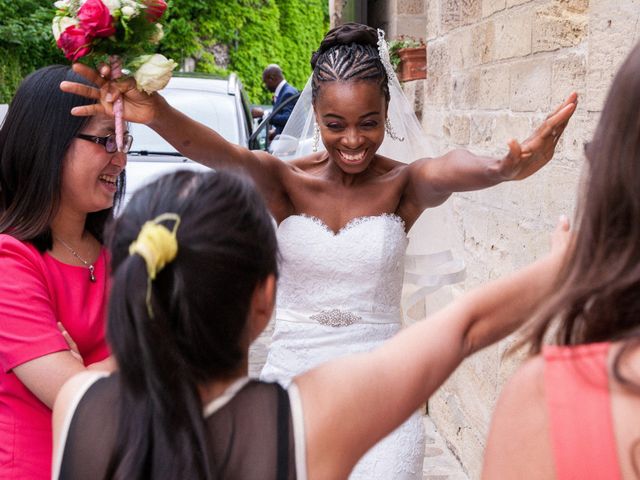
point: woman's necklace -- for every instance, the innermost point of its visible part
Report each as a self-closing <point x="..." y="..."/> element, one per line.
<point x="90" y="266"/>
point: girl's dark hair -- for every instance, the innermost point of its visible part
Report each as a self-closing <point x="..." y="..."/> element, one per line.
<point x="348" y="53"/>
<point x="200" y="303"/>
<point x="34" y="138"/>
<point x="597" y="298"/>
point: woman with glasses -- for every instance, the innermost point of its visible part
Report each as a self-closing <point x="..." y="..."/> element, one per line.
<point x="60" y="179"/>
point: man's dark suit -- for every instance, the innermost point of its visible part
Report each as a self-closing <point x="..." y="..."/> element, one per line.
<point x="280" y="118"/>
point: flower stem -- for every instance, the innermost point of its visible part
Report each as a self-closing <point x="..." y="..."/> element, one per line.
<point x="116" y="72"/>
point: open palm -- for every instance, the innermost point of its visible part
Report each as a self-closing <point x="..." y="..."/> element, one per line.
<point x="526" y="158"/>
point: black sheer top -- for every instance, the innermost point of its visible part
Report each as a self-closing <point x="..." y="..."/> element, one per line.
<point x="250" y="433"/>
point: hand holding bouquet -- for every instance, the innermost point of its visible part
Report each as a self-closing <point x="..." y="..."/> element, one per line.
<point x="119" y="32"/>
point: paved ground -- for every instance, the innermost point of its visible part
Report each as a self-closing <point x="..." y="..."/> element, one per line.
<point x="439" y="462"/>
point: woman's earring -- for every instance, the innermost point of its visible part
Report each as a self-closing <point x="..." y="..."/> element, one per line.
<point x="391" y="131"/>
<point x="316" y="137"/>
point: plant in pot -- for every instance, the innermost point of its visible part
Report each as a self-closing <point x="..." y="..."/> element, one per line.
<point x="408" y="58"/>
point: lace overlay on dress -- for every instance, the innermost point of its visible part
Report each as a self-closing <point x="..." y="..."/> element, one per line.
<point x="359" y="268"/>
<point x="358" y="271"/>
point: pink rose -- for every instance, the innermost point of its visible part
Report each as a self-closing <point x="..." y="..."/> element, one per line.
<point x="96" y="19"/>
<point x="74" y="42"/>
<point x="155" y="9"/>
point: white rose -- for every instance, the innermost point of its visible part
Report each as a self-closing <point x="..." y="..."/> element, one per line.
<point x="131" y="4"/>
<point x="60" y="24"/>
<point x="128" y="12"/>
<point x="158" y="34"/>
<point x="154" y="72"/>
<point x="61" y="4"/>
<point x="112" y="5"/>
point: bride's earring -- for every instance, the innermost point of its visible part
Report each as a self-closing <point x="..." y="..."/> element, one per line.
<point x="391" y="131"/>
<point x="316" y="137"/>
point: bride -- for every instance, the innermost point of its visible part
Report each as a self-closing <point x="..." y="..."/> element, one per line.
<point x="343" y="211"/>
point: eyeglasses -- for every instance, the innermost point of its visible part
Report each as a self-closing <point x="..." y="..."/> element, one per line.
<point x="109" y="142"/>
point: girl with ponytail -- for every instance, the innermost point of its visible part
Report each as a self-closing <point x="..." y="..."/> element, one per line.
<point x="194" y="272"/>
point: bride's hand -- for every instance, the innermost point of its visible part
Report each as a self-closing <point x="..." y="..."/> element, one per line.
<point x="530" y="156"/>
<point x="138" y="106"/>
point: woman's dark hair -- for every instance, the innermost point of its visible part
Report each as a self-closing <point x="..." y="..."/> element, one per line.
<point x="34" y="138"/>
<point x="348" y="53"/>
<point x="200" y="303"/>
<point x="597" y="299"/>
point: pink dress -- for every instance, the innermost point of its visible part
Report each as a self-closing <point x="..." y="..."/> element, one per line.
<point x="578" y="401"/>
<point x="36" y="291"/>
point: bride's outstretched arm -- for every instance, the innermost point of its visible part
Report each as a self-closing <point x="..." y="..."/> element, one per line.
<point x="434" y="179"/>
<point x="351" y="403"/>
<point x="191" y="138"/>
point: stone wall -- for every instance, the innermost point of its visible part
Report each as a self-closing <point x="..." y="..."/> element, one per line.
<point x="495" y="69"/>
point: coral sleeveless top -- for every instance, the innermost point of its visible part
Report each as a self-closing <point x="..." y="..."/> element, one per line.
<point x="576" y="382"/>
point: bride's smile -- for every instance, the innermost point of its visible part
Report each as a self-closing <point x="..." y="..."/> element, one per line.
<point x="351" y="117"/>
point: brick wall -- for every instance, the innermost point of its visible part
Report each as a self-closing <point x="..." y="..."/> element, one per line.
<point x="495" y="69"/>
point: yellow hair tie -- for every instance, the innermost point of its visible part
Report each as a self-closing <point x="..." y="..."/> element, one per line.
<point x="157" y="245"/>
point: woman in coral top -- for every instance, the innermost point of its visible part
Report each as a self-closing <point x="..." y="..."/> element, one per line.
<point x="573" y="410"/>
<point x="59" y="180"/>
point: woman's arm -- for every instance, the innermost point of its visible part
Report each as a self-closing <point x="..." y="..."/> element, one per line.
<point x="432" y="180"/>
<point x="32" y="345"/>
<point x="44" y="376"/>
<point x="352" y="403"/>
<point x="191" y="138"/>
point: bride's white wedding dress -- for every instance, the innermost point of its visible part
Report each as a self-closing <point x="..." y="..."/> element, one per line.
<point x="340" y="293"/>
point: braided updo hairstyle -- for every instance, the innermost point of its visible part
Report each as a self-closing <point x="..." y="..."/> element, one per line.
<point x="348" y="52"/>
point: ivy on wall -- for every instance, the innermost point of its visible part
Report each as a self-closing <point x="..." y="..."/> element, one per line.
<point x="252" y="33"/>
<point x="26" y="42"/>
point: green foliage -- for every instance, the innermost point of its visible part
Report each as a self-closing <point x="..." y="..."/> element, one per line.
<point x="398" y="44"/>
<point x="26" y="42"/>
<point x="255" y="33"/>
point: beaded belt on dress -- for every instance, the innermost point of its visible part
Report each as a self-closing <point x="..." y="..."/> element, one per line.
<point x="335" y="317"/>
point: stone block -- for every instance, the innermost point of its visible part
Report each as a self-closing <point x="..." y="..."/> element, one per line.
<point x="612" y="34"/>
<point x="531" y="85"/>
<point x="438" y="74"/>
<point x="489" y="7"/>
<point x="470" y="11"/>
<point x="509" y="125"/>
<point x="495" y="88"/>
<point x="555" y="26"/>
<point x="483" y="41"/>
<point x="465" y="89"/>
<point x="513" y="34"/>
<point x="514" y="3"/>
<point x="457" y="128"/>
<point x="456" y="13"/>
<point x="568" y="73"/>
<point x="449" y="14"/>
<point x="460" y="49"/>
<point x="470" y="47"/>
<point x="575" y="6"/>
<point x="433" y="19"/>
<point x="412" y="26"/>
<point x="481" y="128"/>
<point x="410" y="7"/>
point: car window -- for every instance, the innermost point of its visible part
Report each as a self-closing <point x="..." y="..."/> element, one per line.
<point x="216" y="110"/>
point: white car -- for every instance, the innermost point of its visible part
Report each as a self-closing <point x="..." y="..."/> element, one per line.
<point x="219" y="103"/>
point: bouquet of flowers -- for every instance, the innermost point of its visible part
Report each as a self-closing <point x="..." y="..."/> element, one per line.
<point x="118" y="32"/>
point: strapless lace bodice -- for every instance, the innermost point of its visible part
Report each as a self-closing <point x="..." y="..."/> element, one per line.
<point x="340" y="293"/>
<point x="360" y="268"/>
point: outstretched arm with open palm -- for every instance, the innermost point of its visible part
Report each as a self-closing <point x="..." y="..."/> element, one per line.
<point x="433" y="180"/>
